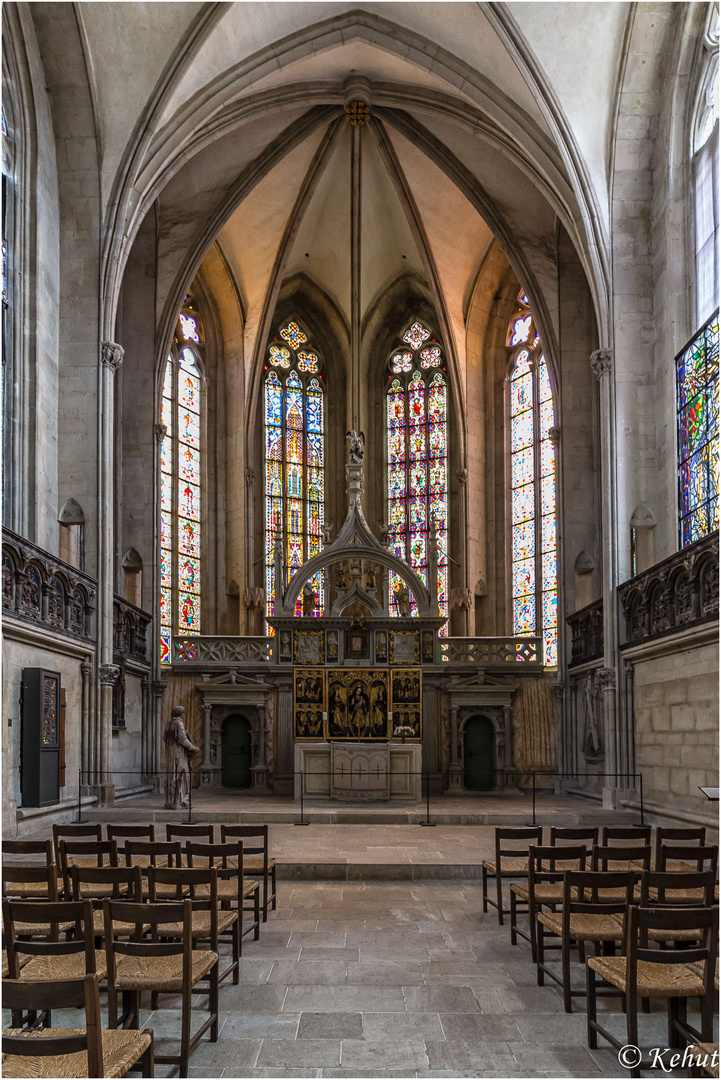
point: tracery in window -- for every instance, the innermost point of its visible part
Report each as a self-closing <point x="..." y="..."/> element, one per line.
<point x="293" y="399"/>
<point x="534" y="562"/>
<point x="697" y="371"/>
<point x="181" y="483"/>
<point x="417" y="448"/>
<point x="705" y="149"/>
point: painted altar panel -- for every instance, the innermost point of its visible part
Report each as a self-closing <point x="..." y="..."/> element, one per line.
<point x="309" y="703"/>
<point x="406" y="698"/>
<point x="357" y="704"/>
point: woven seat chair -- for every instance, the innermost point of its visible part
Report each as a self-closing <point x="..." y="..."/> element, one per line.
<point x="92" y="883"/>
<point x="544" y="887"/>
<point x="37" y="883"/>
<point x="72" y="833"/>
<point x="233" y="885"/>
<point x="686" y="837"/>
<point x="636" y="835"/>
<point x="649" y="972"/>
<point x="257" y="861"/>
<point x="172" y="967"/>
<point x="85" y="853"/>
<point x="561" y="835"/>
<point x="62" y="1052"/>
<point x="619" y="858"/>
<point x="681" y="858"/>
<point x="122" y="833"/>
<point x="183" y="832"/>
<point x="42" y="848"/>
<point x="200" y="886"/>
<point x="145" y="853"/>
<point x="51" y="958"/>
<point x="586" y="915"/>
<point x="22" y="961"/>
<point x="510" y="861"/>
<point x="660" y="889"/>
<point x="707" y="1059"/>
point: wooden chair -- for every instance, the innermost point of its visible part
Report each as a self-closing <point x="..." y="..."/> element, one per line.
<point x="28" y="882"/>
<point x="145" y="853"/>
<point x="172" y="967"/>
<point x="43" y="848"/>
<point x="50" y="958"/>
<point x="200" y="886"/>
<point x="706" y="1059"/>
<point x="74" y="832"/>
<point x="621" y="857"/>
<point x="561" y="835"/>
<point x="682" y="859"/>
<point x="675" y="890"/>
<point x="511" y="861"/>
<point x="60" y="1052"/>
<point x="85" y="853"/>
<point x="256" y="859"/>
<point x="122" y="833"/>
<point x="677" y="838"/>
<point x="233" y="886"/>
<point x="183" y="833"/>
<point x="544" y="887"/>
<point x="638" y="835"/>
<point x="658" y="973"/>
<point x="92" y="883"/>
<point x="587" y="915"/>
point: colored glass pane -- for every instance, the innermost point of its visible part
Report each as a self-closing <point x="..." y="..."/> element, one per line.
<point x="279" y="356"/>
<point x="189" y="328"/>
<point x="308" y="362"/>
<point x="401" y="361"/>
<point x="697" y="399"/>
<point x="293" y="335"/>
<point x="521" y="330"/>
<point x="430" y="357"/>
<point x="416" y="334"/>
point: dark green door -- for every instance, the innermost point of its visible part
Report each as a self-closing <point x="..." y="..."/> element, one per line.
<point x="478" y="754"/>
<point x="236" y="752"/>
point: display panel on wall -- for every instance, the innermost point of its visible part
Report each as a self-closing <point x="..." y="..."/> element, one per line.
<point x="340" y="703"/>
<point x="40" y="735"/>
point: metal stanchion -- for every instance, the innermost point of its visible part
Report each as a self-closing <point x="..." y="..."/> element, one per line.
<point x="640" y="791"/>
<point x="302" y="810"/>
<point x="428" y="821"/>
<point x="190" y="795"/>
<point x="81" y="820"/>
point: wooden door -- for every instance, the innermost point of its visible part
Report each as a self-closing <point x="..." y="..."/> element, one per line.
<point x="236" y="750"/>
<point x="478" y="754"/>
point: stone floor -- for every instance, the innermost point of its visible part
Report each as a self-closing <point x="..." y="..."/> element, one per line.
<point x="391" y="979"/>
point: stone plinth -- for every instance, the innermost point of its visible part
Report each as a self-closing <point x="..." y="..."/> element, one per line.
<point x="316" y="762"/>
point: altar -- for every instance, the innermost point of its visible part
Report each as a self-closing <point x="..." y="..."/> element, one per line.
<point x="358" y="772"/>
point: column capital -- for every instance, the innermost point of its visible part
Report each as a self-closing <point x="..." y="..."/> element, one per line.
<point x="111" y="354"/>
<point x="601" y="362"/>
<point x="159" y="688"/>
<point x="108" y="674"/>
<point x="161" y="430"/>
<point x="606" y="678"/>
<point x="86" y="668"/>
<point x="558" y="689"/>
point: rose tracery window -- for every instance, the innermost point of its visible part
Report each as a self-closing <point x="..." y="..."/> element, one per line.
<point x="181" y="483"/>
<point x="293" y="402"/>
<point x="534" y="564"/>
<point x="417" y="448"/>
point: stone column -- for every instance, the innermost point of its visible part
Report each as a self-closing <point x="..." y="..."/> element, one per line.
<point x="455" y="770"/>
<point x="206" y="773"/>
<point x="111" y="356"/>
<point x="510" y="779"/>
<point x="284" y="764"/>
<point x="468" y="626"/>
<point x="603" y="369"/>
<point x="558" y="691"/>
<point x="157" y="763"/>
<point x="145" y="727"/>
<point x="260" y="769"/>
<point x="87" y="756"/>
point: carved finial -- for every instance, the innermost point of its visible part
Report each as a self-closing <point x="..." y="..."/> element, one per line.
<point x="601" y="362"/>
<point x="356" y="443"/>
<point x="111" y="354"/>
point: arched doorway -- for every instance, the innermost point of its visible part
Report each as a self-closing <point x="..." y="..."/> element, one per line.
<point x="479" y="757"/>
<point x="236" y="750"/>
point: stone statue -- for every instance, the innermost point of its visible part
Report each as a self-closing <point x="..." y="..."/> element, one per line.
<point x="310" y="600"/>
<point x="356" y="440"/>
<point x="179" y="748"/>
<point x="371" y="575"/>
<point x="385" y="535"/>
<point x="402" y="599"/>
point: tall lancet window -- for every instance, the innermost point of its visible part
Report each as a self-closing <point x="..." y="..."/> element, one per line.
<point x="293" y="399"/>
<point x="417" y="446"/>
<point x="534" y="573"/>
<point x="181" y="483"/>
<point x="697" y="382"/>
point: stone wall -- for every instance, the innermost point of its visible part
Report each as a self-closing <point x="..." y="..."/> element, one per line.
<point x="676" y="710"/>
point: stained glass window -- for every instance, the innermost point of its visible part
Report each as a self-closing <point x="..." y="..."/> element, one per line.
<point x="417" y="449"/>
<point x="534" y="557"/>
<point x="705" y="146"/>
<point x="180" y="485"/>
<point x="697" y="369"/>
<point x="293" y="399"/>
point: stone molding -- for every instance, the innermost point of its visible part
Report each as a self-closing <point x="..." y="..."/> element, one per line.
<point x="586" y="627"/>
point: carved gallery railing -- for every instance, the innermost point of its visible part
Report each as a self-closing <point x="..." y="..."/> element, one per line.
<point x="491" y="650"/>
<point x="222" y="650"/>
<point x="586" y="633"/>
<point x="40" y="589"/>
<point x="131" y="624"/>
<point x="680" y="592"/>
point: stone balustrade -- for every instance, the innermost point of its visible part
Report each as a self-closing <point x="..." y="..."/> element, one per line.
<point x="206" y="651"/>
<point x="490" y="651"/>
<point x="39" y="589"/>
<point x="586" y="626"/>
<point x="676" y="594"/>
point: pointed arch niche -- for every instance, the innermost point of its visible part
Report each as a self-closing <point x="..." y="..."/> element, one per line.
<point x="181" y="488"/>
<point x="533" y="438"/>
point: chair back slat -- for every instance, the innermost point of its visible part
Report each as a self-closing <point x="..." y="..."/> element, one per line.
<point x="640" y="835"/>
<point x="49" y="914"/>
<point x="68" y="832"/>
<point x="597" y="892"/>
<point x="704" y="920"/>
<point x="30" y="875"/>
<point x="123" y="833"/>
<point x="624" y="854"/>
<point x="26" y="995"/>
<point x="183" y="832"/>
<point x="704" y="858"/>
<point x="522" y="839"/>
<point x="560" y="834"/>
<point x="218" y="856"/>
<point x="128" y="876"/>
<point x="697" y="887"/>
<point x="245" y="833"/>
<point x="543" y="863"/>
<point x="153" y="850"/>
<point x="30" y="847"/>
<point x="142" y="915"/>
<point x="678" y="837"/>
